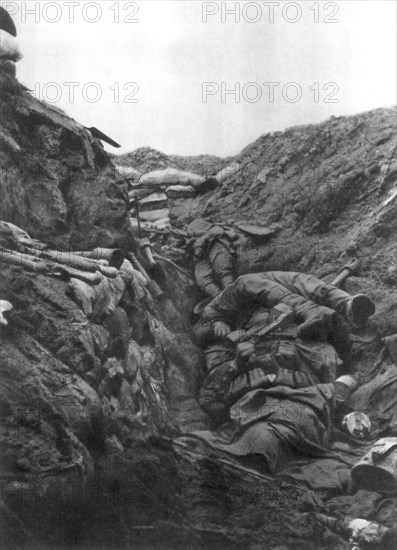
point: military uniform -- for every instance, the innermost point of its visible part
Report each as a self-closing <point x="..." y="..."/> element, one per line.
<point x="306" y="361"/>
<point x="279" y="393"/>
<point x="273" y="425"/>
<point x="309" y="297"/>
<point x="214" y="256"/>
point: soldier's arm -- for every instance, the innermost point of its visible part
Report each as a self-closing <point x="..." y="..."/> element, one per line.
<point x="204" y="279"/>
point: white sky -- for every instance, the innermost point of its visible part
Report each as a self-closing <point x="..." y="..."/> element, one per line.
<point x="170" y="52"/>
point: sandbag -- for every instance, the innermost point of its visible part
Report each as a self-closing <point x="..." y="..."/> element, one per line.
<point x="134" y="279"/>
<point x="157" y="225"/>
<point x="227" y="172"/>
<point x="9" y="48"/>
<point x="154" y="215"/>
<point x="98" y="300"/>
<point x="170" y="176"/>
<point x="164" y="223"/>
<point x="139" y="193"/>
<point x="153" y="201"/>
<point x="180" y="191"/>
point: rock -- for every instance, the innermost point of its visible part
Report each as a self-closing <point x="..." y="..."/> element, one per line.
<point x="113" y="379"/>
<point x="244" y="201"/>
<point x="262" y="176"/>
<point x="4" y="307"/>
<point x="391" y="275"/>
<point x="391" y="344"/>
<point x="209" y="206"/>
<point x="133" y="360"/>
<point x="9" y="143"/>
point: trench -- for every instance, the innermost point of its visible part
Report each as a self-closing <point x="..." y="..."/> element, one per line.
<point x="94" y="410"/>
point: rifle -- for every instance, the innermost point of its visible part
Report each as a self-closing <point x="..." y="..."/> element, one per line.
<point x="284" y="317"/>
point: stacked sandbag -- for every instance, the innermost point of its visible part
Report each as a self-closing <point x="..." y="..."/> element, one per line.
<point x="170" y="176"/>
<point x="152" y="207"/>
<point x="153" y="190"/>
<point x="139" y="193"/>
<point x="155" y="215"/>
<point x="153" y="202"/>
<point x="162" y="224"/>
<point x="157" y="225"/>
<point x="180" y="191"/>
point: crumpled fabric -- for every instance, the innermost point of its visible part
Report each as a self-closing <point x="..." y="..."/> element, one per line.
<point x="97" y="301"/>
<point x="313" y="358"/>
<point x="215" y="233"/>
<point x="277" y="423"/>
<point x="134" y="279"/>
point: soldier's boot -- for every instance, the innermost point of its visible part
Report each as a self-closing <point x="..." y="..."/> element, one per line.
<point x="358" y="309"/>
<point x="355" y="309"/>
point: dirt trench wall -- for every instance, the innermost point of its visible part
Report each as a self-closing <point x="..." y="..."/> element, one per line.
<point x="57" y="182"/>
<point x="74" y="390"/>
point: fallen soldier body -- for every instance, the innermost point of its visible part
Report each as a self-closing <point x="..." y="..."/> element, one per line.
<point x="214" y="256"/>
<point x="277" y="394"/>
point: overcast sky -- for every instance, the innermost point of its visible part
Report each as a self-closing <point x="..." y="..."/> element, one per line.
<point x="179" y="61"/>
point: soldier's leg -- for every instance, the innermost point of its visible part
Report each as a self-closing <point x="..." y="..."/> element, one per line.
<point x="255" y="289"/>
<point x="222" y="262"/>
<point x="263" y="449"/>
<point x="205" y="279"/>
<point x="356" y="309"/>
